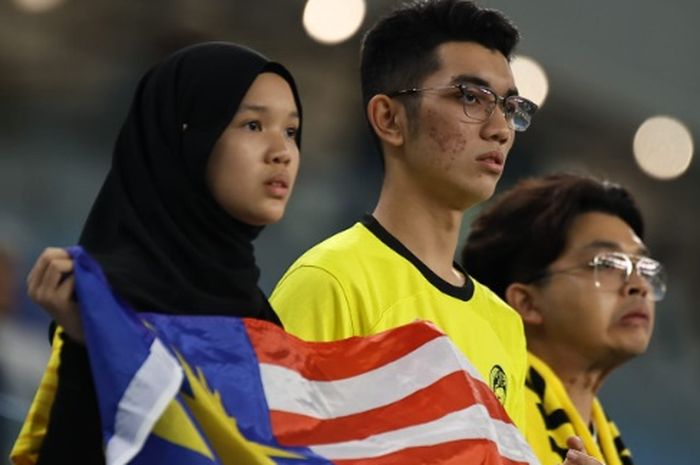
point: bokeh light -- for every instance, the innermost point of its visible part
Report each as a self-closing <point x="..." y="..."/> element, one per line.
<point x="37" y="6"/>
<point x="663" y="147"/>
<point x="333" y="21"/>
<point x="530" y="78"/>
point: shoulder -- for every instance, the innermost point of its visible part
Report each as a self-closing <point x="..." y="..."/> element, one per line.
<point x="324" y="268"/>
<point x="341" y="253"/>
<point x="493" y="307"/>
<point x="339" y="243"/>
<point x="314" y="298"/>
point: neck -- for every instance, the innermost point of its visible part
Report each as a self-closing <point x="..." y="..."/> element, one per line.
<point x="581" y="378"/>
<point x="429" y="231"/>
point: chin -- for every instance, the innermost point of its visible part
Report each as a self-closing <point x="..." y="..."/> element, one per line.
<point x="269" y="217"/>
<point x="262" y="213"/>
<point x="631" y="349"/>
<point x="485" y="189"/>
<point x="476" y="196"/>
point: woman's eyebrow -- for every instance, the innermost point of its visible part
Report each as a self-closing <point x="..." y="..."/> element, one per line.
<point x="264" y="109"/>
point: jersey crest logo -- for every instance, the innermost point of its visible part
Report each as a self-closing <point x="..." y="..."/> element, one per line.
<point x="499" y="383"/>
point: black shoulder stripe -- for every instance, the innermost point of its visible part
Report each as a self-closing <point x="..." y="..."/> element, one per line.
<point x="558" y="450"/>
<point x="554" y="419"/>
<point x="535" y="382"/>
<point x="623" y="452"/>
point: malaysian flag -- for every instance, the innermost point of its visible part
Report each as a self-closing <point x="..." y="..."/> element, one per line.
<point x="223" y="390"/>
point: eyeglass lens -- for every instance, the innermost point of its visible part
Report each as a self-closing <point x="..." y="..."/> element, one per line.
<point x="480" y="102"/>
<point x="612" y="270"/>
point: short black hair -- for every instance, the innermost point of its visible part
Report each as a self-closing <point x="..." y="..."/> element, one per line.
<point x="399" y="51"/>
<point x="526" y="229"/>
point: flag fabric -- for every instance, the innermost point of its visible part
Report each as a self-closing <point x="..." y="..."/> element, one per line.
<point x="221" y="390"/>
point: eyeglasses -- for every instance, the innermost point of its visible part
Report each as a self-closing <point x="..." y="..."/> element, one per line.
<point x="612" y="270"/>
<point x="479" y="102"/>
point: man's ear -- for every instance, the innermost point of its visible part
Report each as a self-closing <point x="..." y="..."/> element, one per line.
<point x="522" y="298"/>
<point x="387" y="118"/>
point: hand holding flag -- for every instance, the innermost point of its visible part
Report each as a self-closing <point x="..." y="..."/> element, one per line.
<point x="222" y="390"/>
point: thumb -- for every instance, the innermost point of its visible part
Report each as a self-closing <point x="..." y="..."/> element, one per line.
<point x="575" y="442"/>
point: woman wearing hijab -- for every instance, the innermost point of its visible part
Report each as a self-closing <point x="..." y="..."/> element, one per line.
<point x="206" y="158"/>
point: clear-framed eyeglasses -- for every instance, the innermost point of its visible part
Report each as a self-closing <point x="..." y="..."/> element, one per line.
<point x="479" y="102"/>
<point x="612" y="270"/>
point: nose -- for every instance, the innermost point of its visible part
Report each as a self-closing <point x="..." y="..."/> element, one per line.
<point x="637" y="285"/>
<point x="279" y="151"/>
<point x="497" y="127"/>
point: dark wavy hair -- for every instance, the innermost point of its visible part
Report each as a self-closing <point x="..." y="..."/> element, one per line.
<point x="526" y="229"/>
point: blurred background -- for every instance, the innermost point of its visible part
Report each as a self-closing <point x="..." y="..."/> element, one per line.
<point x="620" y="86"/>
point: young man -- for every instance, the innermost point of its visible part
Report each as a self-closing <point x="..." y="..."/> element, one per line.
<point x="442" y="104"/>
<point x="567" y="253"/>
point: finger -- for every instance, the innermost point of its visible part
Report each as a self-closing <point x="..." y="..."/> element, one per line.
<point x="575" y="442"/>
<point x="65" y="290"/>
<point x="44" y="289"/>
<point x="57" y="271"/>
<point x="575" y="457"/>
<point x="58" y="303"/>
<point x="36" y="274"/>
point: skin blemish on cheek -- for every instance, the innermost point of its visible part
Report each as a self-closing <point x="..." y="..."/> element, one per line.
<point x="437" y="135"/>
<point x="459" y="144"/>
<point x="450" y="143"/>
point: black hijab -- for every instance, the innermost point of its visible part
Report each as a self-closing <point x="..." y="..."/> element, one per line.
<point x="163" y="241"/>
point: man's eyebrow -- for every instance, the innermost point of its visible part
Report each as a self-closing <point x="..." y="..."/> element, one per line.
<point x="471" y="79"/>
<point x="614" y="246"/>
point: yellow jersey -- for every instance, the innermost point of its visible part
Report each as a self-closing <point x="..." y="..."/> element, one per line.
<point x="363" y="281"/>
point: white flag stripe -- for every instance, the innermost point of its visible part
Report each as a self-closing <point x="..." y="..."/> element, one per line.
<point x="471" y="423"/>
<point x="288" y="391"/>
<point x="150" y="391"/>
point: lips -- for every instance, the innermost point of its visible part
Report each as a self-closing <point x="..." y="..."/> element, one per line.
<point x="278" y="185"/>
<point x="491" y="161"/>
<point x="637" y="315"/>
<point x="494" y="157"/>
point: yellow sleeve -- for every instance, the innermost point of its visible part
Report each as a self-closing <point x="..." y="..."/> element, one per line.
<point x="518" y="409"/>
<point x="521" y="400"/>
<point x="27" y="445"/>
<point x="312" y="305"/>
<point x="509" y="328"/>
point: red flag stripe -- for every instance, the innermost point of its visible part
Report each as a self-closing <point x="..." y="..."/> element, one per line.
<point x="453" y="392"/>
<point x="290" y="391"/>
<point x="320" y="360"/>
<point x="464" y="452"/>
<point x="465" y="424"/>
<point x="332" y="398"/>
